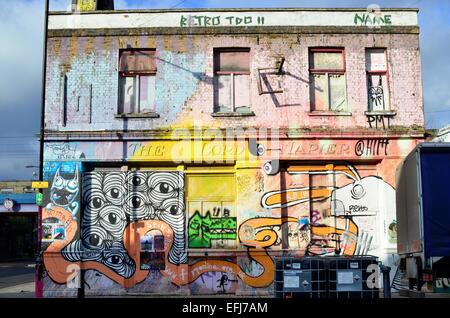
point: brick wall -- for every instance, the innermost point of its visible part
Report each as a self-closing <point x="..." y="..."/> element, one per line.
<point x="185" y="75"/>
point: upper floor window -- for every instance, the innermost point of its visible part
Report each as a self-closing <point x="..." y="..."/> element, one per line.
<point x="377" y="80"/>
<point x="327" y="79"/>
<point x="232" y="80"/>
<point x="137" y="72"/>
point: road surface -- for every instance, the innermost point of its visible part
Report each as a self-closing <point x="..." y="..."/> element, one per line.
<point x="17" y="279"/>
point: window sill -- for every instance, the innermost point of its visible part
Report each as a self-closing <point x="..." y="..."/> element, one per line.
<point x="380" y="113"/>
<point x="232" y="114"/>
<point x="137" y="115"/>
<point x="328" y="113"/>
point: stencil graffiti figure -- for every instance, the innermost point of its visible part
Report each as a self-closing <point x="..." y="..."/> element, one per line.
<point x="223" y="281"/>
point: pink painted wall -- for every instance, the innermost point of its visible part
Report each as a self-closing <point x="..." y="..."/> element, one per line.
<point x="184" y="90"/>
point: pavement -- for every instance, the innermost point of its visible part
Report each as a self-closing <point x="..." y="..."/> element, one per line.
<point x="17" y="279"/>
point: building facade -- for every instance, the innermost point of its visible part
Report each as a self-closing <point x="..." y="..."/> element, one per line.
<point x="185" y="149"/>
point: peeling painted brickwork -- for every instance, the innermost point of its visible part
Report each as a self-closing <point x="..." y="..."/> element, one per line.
<point x="184" y="80"/>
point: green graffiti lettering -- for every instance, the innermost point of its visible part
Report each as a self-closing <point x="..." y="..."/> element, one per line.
<point x="359" y="18"/>
<point x="216" y="20"/>
<point x="366" y="19"/>
<point x="199" y="20"/>
<point x="387" y="19"/>
<point x="183" y="20"/>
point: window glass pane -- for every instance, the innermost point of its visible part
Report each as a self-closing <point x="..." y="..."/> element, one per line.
<point x="147" y="86"/>
<point x="137" y="61"/>
<point x="128" y="94"/>
<point x="232" y="61"/>
<point x="376" y="60"/>
<point x="326" y="61"/>
<point x="338" y="100"/>
<point x="378" y="92"/>
<point x="319" y="91"/>
<point x="241" y="90"/>
<point x="222" y="92"/>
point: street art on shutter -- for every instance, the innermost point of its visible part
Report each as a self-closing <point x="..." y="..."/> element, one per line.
<point x="337" y="231"/>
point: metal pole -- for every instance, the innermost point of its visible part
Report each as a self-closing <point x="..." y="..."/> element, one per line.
<point x="39" y="260"/>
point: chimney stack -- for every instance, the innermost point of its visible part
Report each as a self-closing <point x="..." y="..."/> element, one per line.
<point x="92" y="5"/>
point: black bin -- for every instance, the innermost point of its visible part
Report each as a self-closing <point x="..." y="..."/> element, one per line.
<point x="304" y="277"/>
<point x="353" y="277"/>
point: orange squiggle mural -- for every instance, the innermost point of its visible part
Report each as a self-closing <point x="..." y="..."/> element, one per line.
<point x="181" y="274"/>
<point x="184" y="274"/>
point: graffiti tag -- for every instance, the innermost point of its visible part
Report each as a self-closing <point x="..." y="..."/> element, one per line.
<point x="202" y="230"/>
<point x="295" y="148"/>
<point x="203" y="20"/>
<point x="379" y="120"/>
<point x="371" y="147"/>
<point x="372" y="19"/>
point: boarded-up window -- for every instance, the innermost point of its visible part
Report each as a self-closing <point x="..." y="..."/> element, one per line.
<point x="331" y="202"/>
<point x="137" y="71"/>
<point x="231" y="80"/>
<point x="212" y="211"/>
<point x="377" y="80"/>
<point x="327" y="78"/>
<point x="138" y="61"/>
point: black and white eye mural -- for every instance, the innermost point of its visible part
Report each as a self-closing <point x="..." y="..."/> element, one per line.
<point x="112" y="200"/>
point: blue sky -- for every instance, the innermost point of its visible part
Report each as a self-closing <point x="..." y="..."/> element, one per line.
<point x="22" y="21"/>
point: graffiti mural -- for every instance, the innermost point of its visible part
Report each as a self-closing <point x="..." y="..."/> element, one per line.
<point x="113" y="200"/>
<point x="132" y="227"/>
<point x="336" y="232"/>
<point x="202" y="230"/>
<point x="64" y="187"/>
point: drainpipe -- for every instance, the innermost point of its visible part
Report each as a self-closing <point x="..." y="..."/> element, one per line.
<point x="39" y="259"/>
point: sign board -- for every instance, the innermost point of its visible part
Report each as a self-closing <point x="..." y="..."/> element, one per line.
<point x="213" y="18"/>
<point x="39" y="185"/>
<point x="345" y="278"/>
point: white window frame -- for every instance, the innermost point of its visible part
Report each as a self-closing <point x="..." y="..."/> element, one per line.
<point x="232" y="74"/>
<point x="137" y="76"/>
<point x="385" y="72"/>
<point x="327" y="73"/>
